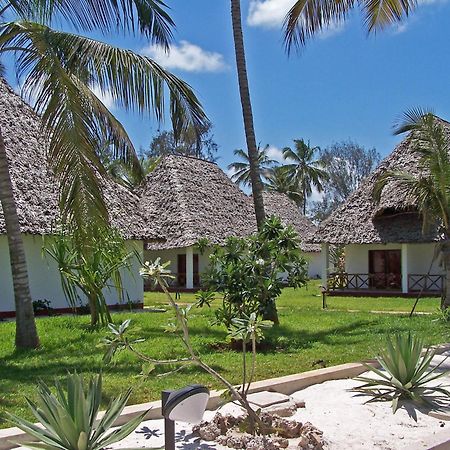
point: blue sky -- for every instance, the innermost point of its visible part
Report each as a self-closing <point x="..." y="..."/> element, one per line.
<point x="343" y="85"/>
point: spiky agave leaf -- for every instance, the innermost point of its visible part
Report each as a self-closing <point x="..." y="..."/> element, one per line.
<point x="407" y="372"/>
<point x="68" y="417"/>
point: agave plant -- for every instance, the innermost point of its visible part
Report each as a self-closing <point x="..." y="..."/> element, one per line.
<point x="407" y="373"/>
<point x="68" y="418"/>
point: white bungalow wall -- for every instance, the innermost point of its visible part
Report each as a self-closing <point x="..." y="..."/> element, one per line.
<point x="45" y="283"/>
<point x="313" y="258"/>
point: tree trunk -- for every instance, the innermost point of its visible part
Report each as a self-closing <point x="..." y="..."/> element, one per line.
<point x="26" y="333"/>
<point x="92" y="298"/>
<point x="446" y="261"/>
<point x="252" y="149"/>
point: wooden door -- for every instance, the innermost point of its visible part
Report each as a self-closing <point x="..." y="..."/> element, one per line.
<point x="181" y="270"/>
<point x="385" y="269"/>
<point x="196" y="272"/>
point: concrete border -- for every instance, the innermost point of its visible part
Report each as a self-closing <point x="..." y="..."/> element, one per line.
<point x="285" y="385"/>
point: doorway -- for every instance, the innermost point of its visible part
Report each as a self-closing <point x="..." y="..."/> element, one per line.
<point x="385" y="269"/>
<point x="181" y="270"/>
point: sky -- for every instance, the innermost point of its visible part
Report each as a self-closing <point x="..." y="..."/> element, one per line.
<point x="342" y="85"/>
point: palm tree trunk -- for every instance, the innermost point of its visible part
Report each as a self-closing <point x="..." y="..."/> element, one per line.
<point x="26" y="333"/>
<point x="446" y="260"/>
<point x="257" y="186"/>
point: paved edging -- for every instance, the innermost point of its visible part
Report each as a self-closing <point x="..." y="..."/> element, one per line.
<point x="285" y="385"/>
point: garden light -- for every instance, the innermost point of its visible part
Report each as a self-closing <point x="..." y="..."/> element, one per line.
<point x="184" y="405"/>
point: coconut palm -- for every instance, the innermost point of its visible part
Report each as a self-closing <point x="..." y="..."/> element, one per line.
<point x="308" y="17"/>
<point x="306" y="171"/>
<point x="252" y="149"/>
<point x="430" y="187"/>
<point x="278" y="180"/>
<point x="242" y="169"/>
<point x="59" y="70"/>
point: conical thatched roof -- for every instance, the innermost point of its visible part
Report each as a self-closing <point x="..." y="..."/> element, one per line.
<point x="189" y="199"/>
<point x="35" y="188"/>
<point x="282" y="206"/>
<point x="360" y="220"/>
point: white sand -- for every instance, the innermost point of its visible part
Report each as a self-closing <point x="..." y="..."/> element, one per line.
<point x="346" y="421"/>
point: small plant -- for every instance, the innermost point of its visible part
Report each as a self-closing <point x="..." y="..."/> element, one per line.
<point x="407" y="373"/>
<point x="248" y="329"/>
<point x="250" y="273"/>
<point x="204" y="298"/>
<point x="69" y="419"/>
<point x="42" y="306"/>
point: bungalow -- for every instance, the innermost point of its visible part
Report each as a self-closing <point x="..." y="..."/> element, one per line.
<point x="195" y="199"/>
<point x="183" y="200"/>
<point x="386" y="250"/>
<point x="35" y="191"/>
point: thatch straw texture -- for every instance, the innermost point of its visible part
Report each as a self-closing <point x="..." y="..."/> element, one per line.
<point x="360" y="220"/>
<point x="189" y="199"/>
<point x="35" y="188"/>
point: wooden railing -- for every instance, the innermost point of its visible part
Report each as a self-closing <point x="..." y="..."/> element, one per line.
<point x="392" y="282"/>
<point x="427" y="283"/>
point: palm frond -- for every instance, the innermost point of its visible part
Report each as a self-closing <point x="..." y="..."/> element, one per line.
<point x="309" y="17"/>
<point x="412" y="119"/>
<point x="58" y="69"/>
<point x="150" y="17"/>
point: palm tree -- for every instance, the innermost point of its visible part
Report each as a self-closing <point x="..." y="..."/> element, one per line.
<point x="308" y="17"/>
<point x="304" y="170"/>
<point x="242" y="169"/>
<point x="252" y="149"/>
<point x="278" y="180"/>
<point x="59" y="70"/>
<point x="430" y="188"/>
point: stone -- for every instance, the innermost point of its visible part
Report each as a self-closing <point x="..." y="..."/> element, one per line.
<point x="287" y="428"/>
<point x="264" y="399"/>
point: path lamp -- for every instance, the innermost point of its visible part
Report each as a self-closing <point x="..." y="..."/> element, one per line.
<point x="184" y="405"/>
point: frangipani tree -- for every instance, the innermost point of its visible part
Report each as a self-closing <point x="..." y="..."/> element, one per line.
<point x="59" y="69"/>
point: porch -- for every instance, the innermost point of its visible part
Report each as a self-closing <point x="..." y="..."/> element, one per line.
<point x="384" y="270"/>
<point x="374" y="285"/>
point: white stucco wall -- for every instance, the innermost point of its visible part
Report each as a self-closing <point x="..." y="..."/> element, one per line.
<point x="419" y="257"/>
<point x="45" y="282"/>
<point x="314" y="264"/>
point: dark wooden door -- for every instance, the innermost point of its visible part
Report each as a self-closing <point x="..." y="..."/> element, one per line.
<point x="385" y="268"/>
<point x="181" y="271"/>
<point x="196" y="272"/>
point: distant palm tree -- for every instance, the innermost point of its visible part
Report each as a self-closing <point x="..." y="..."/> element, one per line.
<point x="430" y="188"/>
<point x="247" y="113"/>
<point x="278" y="180"/>
<point x="308" y="17"/>
<point x="59" y="70"/>
<point x="242" y="171"/>
<point x="304" y="170"/>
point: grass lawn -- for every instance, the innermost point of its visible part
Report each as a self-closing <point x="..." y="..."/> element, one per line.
<point x="306" y="335"/>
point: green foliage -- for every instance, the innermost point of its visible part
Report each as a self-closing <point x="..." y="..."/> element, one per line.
<point x="69" y="417"/>
<point x="202" y="244"/>
<point x="248" y="272"/>
<point x="406" y="374"/>
<point x="90" y="268"/>
<point x="204" y="298"/>
<point x="241" y="168"/>
<point x="304" y="170"/>
<point x="278" y="180"/>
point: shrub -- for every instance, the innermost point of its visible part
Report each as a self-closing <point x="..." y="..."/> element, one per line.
<point x="407" y="373"/>
<point x="69" y="418"/>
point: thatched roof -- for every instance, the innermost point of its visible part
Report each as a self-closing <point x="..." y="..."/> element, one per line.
<point x="35" y="188"/>
<point x="190" y="199"/>
<point x="280" y="205"/>
<point x="360" y="220"/>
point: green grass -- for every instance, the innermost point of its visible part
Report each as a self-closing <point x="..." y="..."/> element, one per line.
<point x="306" y="335"/>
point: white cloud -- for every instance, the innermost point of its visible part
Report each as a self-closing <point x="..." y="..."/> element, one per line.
<point x="105" y="96"/>
<point x="271" y="14"/>
<point x="275" y="153"/>
<point x="268" y="13"/>
<point x="186" y="56"/>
